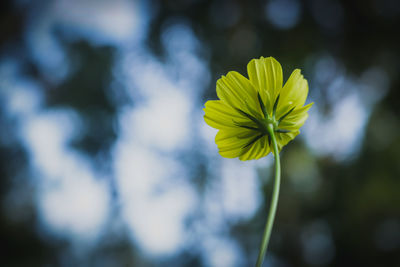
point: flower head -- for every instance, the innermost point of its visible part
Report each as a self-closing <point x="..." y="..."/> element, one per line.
<point x="248" y="107"/>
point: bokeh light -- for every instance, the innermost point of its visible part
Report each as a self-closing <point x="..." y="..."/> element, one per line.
<point x="106" y="159"/>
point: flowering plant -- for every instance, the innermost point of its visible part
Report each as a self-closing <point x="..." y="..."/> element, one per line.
<point x="258" y="115"/>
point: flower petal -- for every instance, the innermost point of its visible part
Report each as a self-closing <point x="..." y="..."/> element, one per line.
<point x="230" y="154"/>
<point x="259" y="149"/>
<point x="219" y="115"/>
<point x="283" y="138"/>
<point x="266" y="76"/>
<point x="248" y="152"/>
<point x="237" y="91"/>
<point x="235" y="135"/>
<point x="265" y="149"/>
<point x="230" y="144"/>
<point x="296" y="118"/>
<point x="293" y="94"/>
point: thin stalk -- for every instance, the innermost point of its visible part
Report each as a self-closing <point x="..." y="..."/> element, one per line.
<point x="274" y="199"/>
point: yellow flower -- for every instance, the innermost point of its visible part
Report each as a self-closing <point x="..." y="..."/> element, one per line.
<point x="247" y="107"/>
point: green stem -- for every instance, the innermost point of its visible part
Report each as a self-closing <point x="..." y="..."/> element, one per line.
<point x="274" y="200"/>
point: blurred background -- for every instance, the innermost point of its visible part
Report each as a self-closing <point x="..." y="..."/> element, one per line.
<point x="105" y="159"/>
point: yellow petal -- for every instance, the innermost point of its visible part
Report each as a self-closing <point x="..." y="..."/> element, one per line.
<point x="231" y="153"/>
<point x="266" y="75"/>
<point x="284" y="138"/>
<point x="295" y="125"/>
<point x="293" y="94"/>
<point x="220" y="115"/>
<point x="265" y="149"/>
<point x="228" y="137"/>
<point x="229" y="144"/>
<point x="238" y="92"/>
<point x="247" y="153"/>
<point x="296" y="118"/>
<point x="259" y="149"/>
